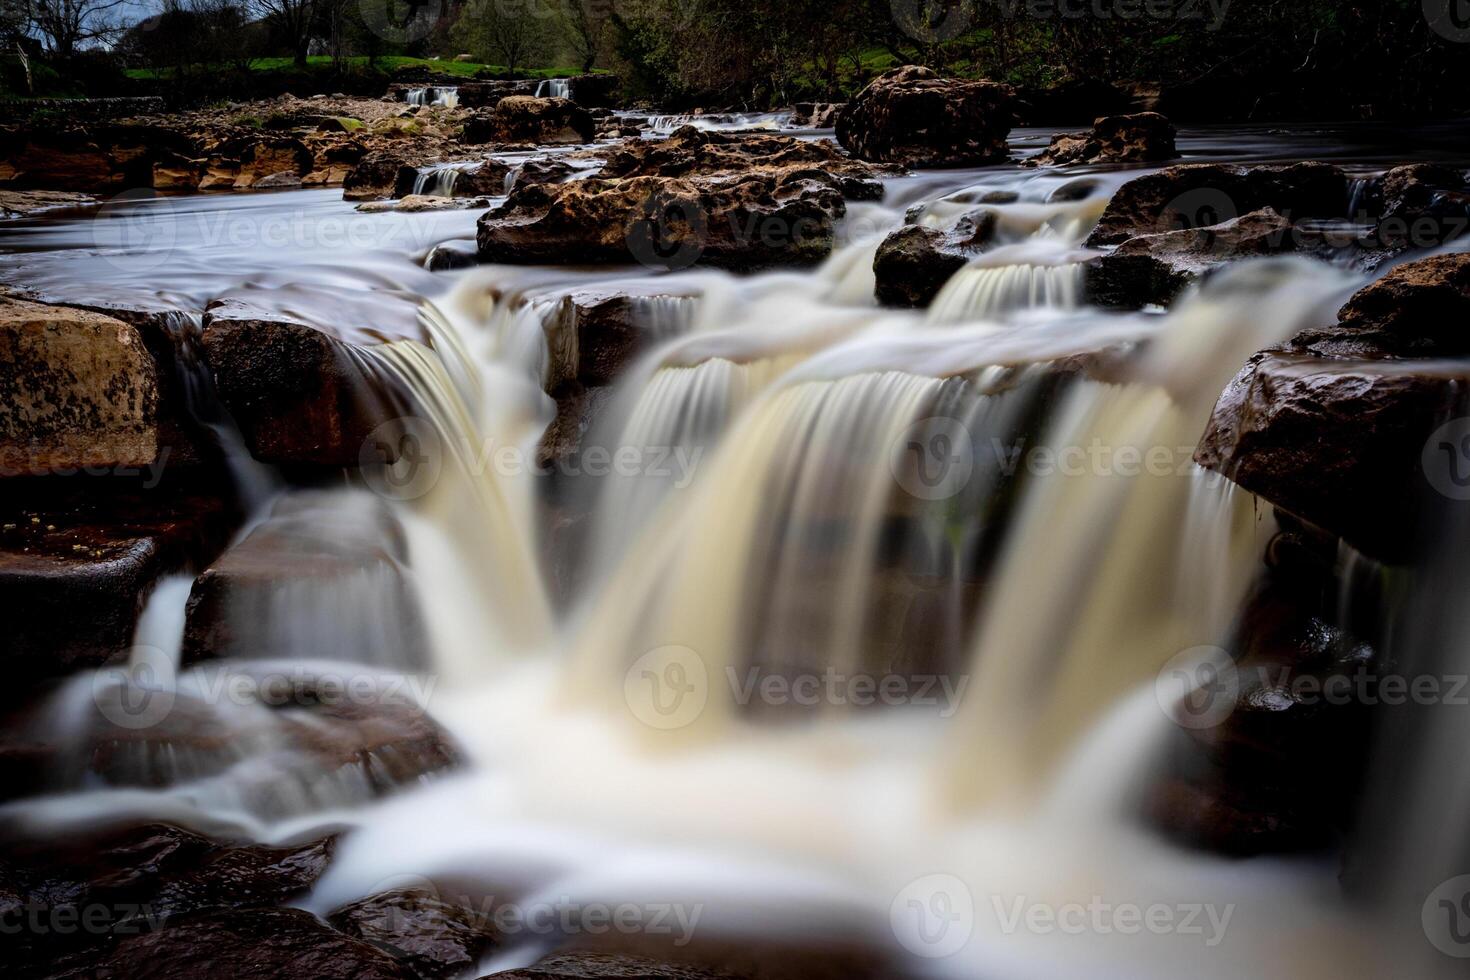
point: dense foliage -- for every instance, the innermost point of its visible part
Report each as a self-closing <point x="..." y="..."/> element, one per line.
<point x="1209" y="58"/>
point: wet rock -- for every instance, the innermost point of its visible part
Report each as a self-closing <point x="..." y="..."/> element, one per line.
<point x="597" y="334"/>
<point x="913" y="264"/>
<point x="416" y="203"/>
<point x="816" y="115"/>
<point x="1336" y="441"/>
<point x="433" y="938"/>
<point x="543" y="170"/>
<point x="524" y="118"/>
<point x="1199" y="195"/>
<point x="79" y="556"/>
<point x="324" y="576"/>
<point x="126" y="881"/>
<point x="24" y="203"/>
<point x="298" y="393"/>
<point x="256" y="944"/>
<point x="595" y="965"/>
<point x="82" y="391"/>
<point x="751" y="222"/>
<point x="1277" y="764"/>
<point x="1144" y="136"/>
<point x="1154" y="269"/>
<point x="914" y="117"/>
<point x="1419" y="309"/>
<point x="381" y="174"/>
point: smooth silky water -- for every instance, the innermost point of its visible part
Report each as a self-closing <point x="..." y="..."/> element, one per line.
<point x="854" y="492"/>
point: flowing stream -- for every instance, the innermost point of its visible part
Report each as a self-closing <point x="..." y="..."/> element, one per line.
<point x="863" y="640"/>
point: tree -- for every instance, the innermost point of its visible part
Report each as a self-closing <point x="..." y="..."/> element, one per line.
<point x="507" y="32"/>
<point x="584" y="22"/>
<point x="67" y="26"/>
<point x="295" y="19"/>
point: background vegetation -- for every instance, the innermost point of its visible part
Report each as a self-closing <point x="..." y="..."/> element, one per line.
<point x="1209" y="58"/>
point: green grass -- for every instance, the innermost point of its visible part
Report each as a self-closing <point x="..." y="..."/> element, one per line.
<point x="386" y="64"/>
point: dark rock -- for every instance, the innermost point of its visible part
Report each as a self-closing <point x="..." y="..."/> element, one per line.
<point x="381" y="174"/>
<point x="1338" y="442"/>
<point x="524" y="118"/>
<point x="595" y="91"/>
<point x="298" y="393"/>
<point x="255" y="944"/>
<point x="133" y="880"/>
<point x="1198" y="195"/>
<point x="1155" y="268"/>
<point x="594" y="965"/>
<point x="913" y="264"/>
<point x="1419" y="309"/>
<point x="433" y="938"/>
<point x="1281" y="768"/>
<point x="1142" y="137"/>
<point x="914" y="117"/>
<point x="79" y="557"/>
<point x="316" y="550"/>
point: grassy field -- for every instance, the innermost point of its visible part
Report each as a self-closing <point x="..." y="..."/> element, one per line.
<point x="386" y="65"/>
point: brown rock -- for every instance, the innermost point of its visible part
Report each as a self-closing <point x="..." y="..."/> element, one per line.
<point x="1419" y="309"/>
<point x="1199" y="195"/>
<point x="595" y="965"/>
<point x="1143" y="136"/>
<point x="913" y="264"/>
<point x="524" y="118"/>
<point x="316" y="550"/>
<point x="433" y="938"/>
<point x="298" y="393"/>
<point x="82" y="391"/>
<point x="914" y="117"/>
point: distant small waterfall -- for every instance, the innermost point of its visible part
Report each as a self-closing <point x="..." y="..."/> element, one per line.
<point x="554" y="88"/>
<point x="436" y="181"/>
<point x="447" y="96"/>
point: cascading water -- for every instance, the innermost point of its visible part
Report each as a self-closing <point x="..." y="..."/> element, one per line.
<point x="948" y="528"/>
<point x="554" y="88"/>
<point x="447" y="96"/>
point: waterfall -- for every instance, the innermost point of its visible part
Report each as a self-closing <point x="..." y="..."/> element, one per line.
<point x="982" y="291"/>
<point x="437" y="181"/>
<point x="555" y="88"/>
<point x="447" y="96"/>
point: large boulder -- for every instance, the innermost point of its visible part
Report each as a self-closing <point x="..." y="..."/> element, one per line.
<point x="816" y="115"/>
<point x="751" y="222"/>
<point x="693" y="152"/>
<point x="913" y="264"/>
<point x="914" y="117"/>
<point x="527" y="119"/>
<point x="1419" y="309"/>
<point x="1153" y="269"/>
<point x="382" y="174"/>
<point x="299" y="391"/>
<point x="1199" y="195"/>
<point x="82" y="391"/>
<point x="1350" y="443"/>
<point x="1138" y="138"/>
